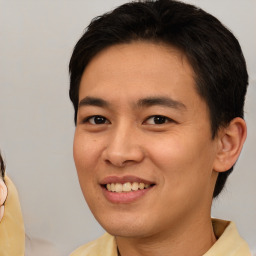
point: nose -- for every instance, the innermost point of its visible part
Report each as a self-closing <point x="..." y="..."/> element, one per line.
<point x="123" y="147"/>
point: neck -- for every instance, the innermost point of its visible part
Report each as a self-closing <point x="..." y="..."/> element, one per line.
<point x="193" y="240"/>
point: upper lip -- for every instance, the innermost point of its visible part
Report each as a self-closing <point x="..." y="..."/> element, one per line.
<point x="124" y="179"/>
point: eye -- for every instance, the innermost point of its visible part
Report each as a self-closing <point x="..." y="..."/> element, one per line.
<point x="158" y="120"/>
<point x="96" y="120"/>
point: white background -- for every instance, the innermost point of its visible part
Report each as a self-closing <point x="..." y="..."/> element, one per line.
<point x="36" y="116"/>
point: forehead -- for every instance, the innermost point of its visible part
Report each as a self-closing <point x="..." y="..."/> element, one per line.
<point x="136" y="69"/>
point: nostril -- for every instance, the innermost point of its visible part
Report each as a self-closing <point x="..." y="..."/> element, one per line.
<point x="107" y="161"/>
<point x="116" y="162"/>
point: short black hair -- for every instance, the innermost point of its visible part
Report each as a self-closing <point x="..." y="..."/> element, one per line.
<point x="212" y="50"/>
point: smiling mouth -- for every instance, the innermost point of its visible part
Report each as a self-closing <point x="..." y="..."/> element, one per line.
<point x="127" y="186"/>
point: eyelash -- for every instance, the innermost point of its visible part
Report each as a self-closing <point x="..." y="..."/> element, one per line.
<point x="87" y="119"/>
<point x="167" y="120"/>
<point x="103" y="119"/>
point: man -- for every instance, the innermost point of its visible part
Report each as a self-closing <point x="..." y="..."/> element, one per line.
<point x="158" y="90"/>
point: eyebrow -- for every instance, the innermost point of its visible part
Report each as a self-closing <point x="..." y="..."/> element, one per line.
<point x="162" y="101"/>
<point x="145" y="102"/>
<point x="92" y="101"/>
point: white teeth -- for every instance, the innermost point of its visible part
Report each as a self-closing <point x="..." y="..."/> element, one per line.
<point x="141" y="186"/>
<point x="126" y="187"/>
<point x="119" y="187"/>
<point x="113" y="187"/>
<point x="135" y="186"/>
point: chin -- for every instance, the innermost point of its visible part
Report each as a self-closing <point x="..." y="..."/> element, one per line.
<point x="124" y="231"/>
<point x="124" y="227"/>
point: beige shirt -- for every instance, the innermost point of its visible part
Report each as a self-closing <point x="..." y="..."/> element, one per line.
<point x="229" y="243"/>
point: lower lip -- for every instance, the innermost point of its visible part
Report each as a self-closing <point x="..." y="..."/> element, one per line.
<point x="125" y="197"/>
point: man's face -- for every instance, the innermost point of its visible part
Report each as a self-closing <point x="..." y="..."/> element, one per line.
<point x="141" y="120"/>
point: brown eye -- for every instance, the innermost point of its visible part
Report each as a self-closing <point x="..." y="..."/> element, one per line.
<point x="96" y="120"/>
<point x="157" y="120"/>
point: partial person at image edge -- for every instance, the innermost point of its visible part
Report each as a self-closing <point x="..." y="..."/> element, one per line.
<point x="13" y="240"/>
<point x="12" y="234"/>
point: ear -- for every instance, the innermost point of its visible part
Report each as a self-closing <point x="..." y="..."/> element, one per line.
<point x="3" y="192"/>
<point x="3" y="196"/>
<point x="230" y="142"/>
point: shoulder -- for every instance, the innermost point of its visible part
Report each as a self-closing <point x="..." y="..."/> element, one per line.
<point x="103" y="246"/>
<point x="229" y="242"/>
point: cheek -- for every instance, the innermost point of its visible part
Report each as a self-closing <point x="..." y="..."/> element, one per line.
<point x="169" y="153"/>
<point x="185" y="171"/>
<point x="183" y="160"/>
<point x="85" y="156"/>
<point x="85" y="153"/>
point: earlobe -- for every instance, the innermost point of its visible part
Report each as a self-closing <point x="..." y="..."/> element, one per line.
<point x="3" y="196"/>
<point x="230" y="142"/>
